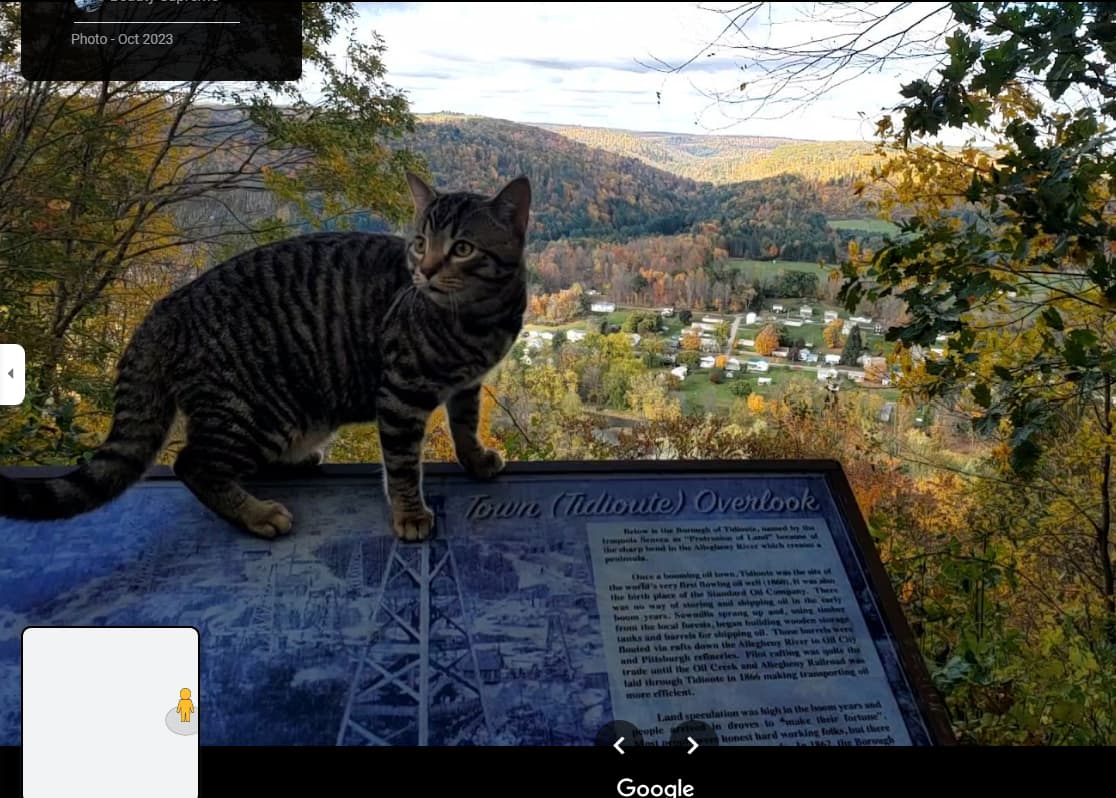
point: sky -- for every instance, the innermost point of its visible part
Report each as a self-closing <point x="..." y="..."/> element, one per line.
<point x="601" y="64"/>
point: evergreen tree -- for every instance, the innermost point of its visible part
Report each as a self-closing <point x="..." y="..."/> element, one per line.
<point x="854" y="347"/>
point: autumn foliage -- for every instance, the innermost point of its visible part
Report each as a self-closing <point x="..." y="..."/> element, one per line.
<point x="768" y="340"/>
<point x="831" y="334"/>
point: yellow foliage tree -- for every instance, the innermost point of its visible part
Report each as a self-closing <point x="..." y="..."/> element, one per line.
<point x="768" y="340"/>
<point x="832" y="334"/>
<point x="756" y="403"/>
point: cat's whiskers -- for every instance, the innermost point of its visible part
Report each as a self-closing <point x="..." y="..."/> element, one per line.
<point x="453" y="307"/>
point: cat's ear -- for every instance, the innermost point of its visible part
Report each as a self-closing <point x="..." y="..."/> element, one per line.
<point x="517" y="196"/>
<point x="422" y="194"/>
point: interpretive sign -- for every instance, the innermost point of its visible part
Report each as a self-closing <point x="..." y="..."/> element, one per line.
<point x="554" y="601"/>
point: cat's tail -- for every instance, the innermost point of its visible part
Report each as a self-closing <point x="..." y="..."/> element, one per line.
<point x="144" y="413"/>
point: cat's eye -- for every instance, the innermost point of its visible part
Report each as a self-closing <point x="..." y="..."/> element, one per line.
<point x="462" y="249"/>
<point x="419" y="245"/>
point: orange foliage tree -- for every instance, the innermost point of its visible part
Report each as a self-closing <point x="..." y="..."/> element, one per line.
<point x="690" y="342"/>
<point x="832" y="334"/>
<point x="768" y="340"/>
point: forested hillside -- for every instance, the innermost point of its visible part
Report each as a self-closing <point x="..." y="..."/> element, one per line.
<point x="583" y="192"/>
<point x="731" y="159"/>
<point x="577" y="191"/>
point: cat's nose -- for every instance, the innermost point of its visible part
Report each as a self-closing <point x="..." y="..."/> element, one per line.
<point x="429" y="268"/>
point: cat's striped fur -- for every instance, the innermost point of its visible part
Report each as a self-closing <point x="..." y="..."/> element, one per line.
<point x="267" y="354"/>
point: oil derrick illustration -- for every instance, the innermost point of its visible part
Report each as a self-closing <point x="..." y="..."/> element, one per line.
<point x="354" y="575"/>
<point x="262" y="626"/>
<point x="557" y="650"/>
<point x="416" y="678"/>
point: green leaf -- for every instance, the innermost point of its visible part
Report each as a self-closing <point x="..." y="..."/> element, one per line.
<point x="1053" y="319"/>
<point x="1024" y="456"/>
<point x="982" y="395"/>
<point x="966" y="13"/>
<point x="1077" y="346"/>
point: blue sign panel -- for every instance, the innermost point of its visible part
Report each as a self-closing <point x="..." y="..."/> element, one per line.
<point x="553" y="601"/>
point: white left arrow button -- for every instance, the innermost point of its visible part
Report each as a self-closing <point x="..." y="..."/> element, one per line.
<point x="616" y="745"/>
<point x="12" y="378"/>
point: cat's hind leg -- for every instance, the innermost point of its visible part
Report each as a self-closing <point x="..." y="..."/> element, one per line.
<point x="306" y="451"/>
<point x="218" y="454"/>
<point x="463" y="409"/>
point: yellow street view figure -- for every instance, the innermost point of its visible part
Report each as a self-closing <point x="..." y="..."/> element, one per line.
<point x="185" y="706"/>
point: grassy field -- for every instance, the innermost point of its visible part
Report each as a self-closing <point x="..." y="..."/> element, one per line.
<point x="763" y="269"/>
<point x="576" y="324"/>
<point x="698" y="394"/>
<point x="878" y="226"/>
<point x="810" y="333"/>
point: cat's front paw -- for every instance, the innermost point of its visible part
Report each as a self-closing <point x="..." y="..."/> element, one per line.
<point x="266" y="519"/>
<point x="486" y="464"/>
<point x="412" y="526"/>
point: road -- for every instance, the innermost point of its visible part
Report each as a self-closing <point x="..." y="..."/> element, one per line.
<point x="732" y="335"/>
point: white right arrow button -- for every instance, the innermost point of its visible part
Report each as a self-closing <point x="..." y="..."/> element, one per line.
<point x="693" y="742"/>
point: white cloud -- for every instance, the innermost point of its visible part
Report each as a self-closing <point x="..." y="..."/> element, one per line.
<point x="588" y="63"/>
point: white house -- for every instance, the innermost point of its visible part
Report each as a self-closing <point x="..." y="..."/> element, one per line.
<point x="825" y="374"/>
<point x="603" y="307"/>
<point x="793" y="322"/>
<point x="758" y="365"/>
<point x="806" y="312"/>
<point x="709" y="344"/>
<point x="708" y="362"/>
<point x="732" y="364"/>
<point x="855" y="376"/>
<point x="830" y="315"/>
<point x="832" y="360"/>
<point x="576" y="335"/>
<point x="680" y="372"/>
<point x="763" y="380"/>
<point x="714" y="320"/>
<point x="746" y="343"/>
<point x="750" y="318"/>
<point x="782" y="352"/>
<point x="777" y="308"/>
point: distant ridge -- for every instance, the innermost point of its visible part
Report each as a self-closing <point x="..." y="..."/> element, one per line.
<point x="731" y="158"/>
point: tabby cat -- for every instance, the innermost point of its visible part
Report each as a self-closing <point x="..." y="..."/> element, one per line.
<point x="268" y="354"/>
